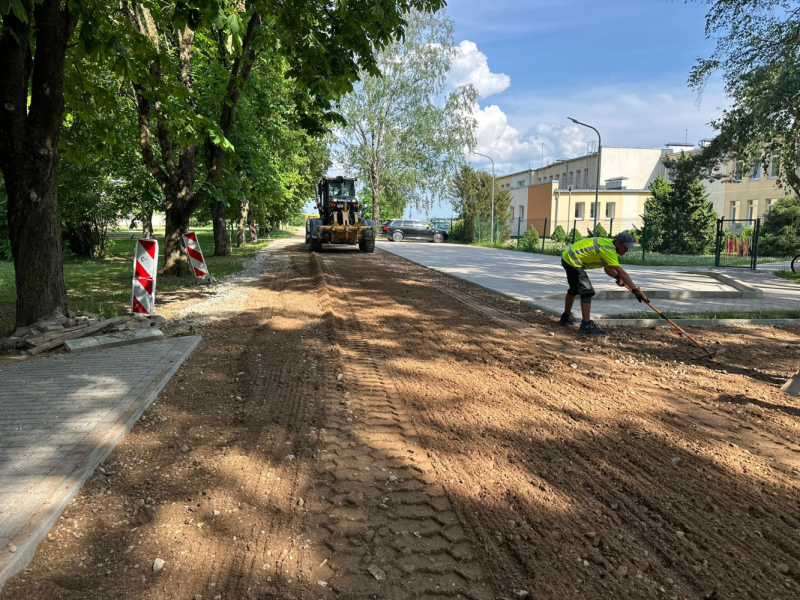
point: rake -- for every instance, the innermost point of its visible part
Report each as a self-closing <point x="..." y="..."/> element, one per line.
<point x="709" y="353"/>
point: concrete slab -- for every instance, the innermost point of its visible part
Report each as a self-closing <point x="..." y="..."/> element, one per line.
<point x="60" y="417"/>
<point x="113" y="340"/>
<point x="539" y="280"/>
<point x="792" y="386"/>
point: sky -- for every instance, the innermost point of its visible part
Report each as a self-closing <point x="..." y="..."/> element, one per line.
<point x="619" y="65"/>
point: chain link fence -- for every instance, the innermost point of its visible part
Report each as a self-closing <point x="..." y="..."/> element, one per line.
<point x="734" y="243"/>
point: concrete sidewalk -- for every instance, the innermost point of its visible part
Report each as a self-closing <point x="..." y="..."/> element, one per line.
<point x="59" y="418"/>
<point x="539" y="280"/>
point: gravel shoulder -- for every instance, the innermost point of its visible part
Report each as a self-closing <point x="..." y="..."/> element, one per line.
<point x="356" y="426"/>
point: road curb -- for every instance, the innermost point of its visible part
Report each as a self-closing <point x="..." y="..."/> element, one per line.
<point x="76" y="469"/>
<point x="698" y="322"/>
<point x="610" y="322"/>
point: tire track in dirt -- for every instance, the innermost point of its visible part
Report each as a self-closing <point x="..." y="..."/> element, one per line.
<point x="606" y="511"/>
<point x="390" y="527"/>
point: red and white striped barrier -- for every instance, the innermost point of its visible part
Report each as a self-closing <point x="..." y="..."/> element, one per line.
<point x="253" y="235"/>
<point x="145" y="266"/>
<point x="195" y="254"/>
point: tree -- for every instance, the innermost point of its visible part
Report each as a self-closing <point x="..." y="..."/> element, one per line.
<point x="471" y="196"/>
<point x="399" y="137"/>
<point x="679" y="217"/>
<point x="780" y="233"/>
<point x="33" y="44"/>
<point x="758" y="52"/>
<point x="325" y="47"/>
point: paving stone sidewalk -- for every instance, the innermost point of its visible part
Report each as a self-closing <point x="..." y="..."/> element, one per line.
<point x="530" y="278"/>
<point x="59" y="418"/>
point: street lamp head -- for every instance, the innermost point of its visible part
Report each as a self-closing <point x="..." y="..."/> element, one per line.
<point x="573" y="120"/>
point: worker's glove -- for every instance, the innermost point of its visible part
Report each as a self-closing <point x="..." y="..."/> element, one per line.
<point x="619" y="281"/>
<point x="640" y="295"/>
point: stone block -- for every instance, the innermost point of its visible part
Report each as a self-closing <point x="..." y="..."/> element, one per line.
<point x="121" y="338"/>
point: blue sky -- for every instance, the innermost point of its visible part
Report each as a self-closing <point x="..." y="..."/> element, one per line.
<point x="620" y="65"/>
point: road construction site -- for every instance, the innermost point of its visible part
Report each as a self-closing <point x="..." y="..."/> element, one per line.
<point x="358" y="426"/>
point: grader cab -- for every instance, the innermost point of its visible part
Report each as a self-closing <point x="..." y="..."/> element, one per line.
<point x="339" y="219"/>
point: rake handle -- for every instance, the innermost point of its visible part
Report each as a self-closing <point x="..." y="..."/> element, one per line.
<point x="671" y="322"/>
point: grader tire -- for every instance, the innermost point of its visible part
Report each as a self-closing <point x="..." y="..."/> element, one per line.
<point x="369" y="246"/>
<point x="316" y="245"/>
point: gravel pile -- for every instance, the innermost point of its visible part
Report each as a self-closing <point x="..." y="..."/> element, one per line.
<point x="230" y="294"/>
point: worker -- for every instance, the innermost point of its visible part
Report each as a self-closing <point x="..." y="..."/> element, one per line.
<point x="593" y="253"/>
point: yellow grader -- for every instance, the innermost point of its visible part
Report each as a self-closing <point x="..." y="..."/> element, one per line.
<point x="339" y="219"/>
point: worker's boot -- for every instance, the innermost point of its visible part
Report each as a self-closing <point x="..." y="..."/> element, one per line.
<point x="567" y="319"/>
<point x="590" y="328"/>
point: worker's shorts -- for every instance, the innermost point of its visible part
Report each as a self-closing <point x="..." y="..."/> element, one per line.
<point x="579" y="284"/>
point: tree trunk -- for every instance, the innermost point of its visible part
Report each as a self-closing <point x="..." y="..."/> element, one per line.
<point x="221" y="246"/>
<point x="241" y="237"/>
<point x="31" y="112"/>
<point x="35" y="234"/>
<point x="176" y="260"/>
<point x="147" y="223"/>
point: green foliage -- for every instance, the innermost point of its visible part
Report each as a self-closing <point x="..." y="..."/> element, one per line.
<point x="576" y="233"/>
<point x="780" y="232"/>
<point x="679" y="217"/>
<point x="757" y="51"/>
<point x="471" y="195"/>
<point x="530" y="242"/>
<point x="599" y="231"/>
<point x="402" y="136"/>
<point x="559" y="235"/>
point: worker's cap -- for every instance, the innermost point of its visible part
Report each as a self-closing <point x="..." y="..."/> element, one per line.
<point x="624" y="238"/>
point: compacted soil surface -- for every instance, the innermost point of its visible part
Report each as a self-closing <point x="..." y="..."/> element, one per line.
<point x="355" y="426"/>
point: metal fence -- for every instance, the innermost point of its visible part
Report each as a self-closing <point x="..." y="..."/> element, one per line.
<point x="733" y="244"/>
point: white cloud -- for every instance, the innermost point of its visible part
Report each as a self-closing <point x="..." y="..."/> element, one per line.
<point x="470" y="65"/>
<point x="648" y="117"/>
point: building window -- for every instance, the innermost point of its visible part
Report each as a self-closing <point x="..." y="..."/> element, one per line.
<point x="591" y="210"/>
<point x="752" y="209"/>
<point x="737" y="171"/>
<point x="512" y="212"/>
<point x="773" y="166"/>
<point x="571" y="178"/>
<point x="520" y="183"/>
<point x="565" y="179"/>
<point x="770" y="203"/>
<point x="521" y="212"/>
<point x="578" y="179"/>
<point x="579" y="210"/>
<point x="586" y="177"/>
<point x="610" y="209"/>
<point x="733" y="211"/>
<point x="540" y="180"/>
<point x="755" y="169"/>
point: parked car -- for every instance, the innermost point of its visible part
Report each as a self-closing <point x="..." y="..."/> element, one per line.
<point x="398" y="230"/>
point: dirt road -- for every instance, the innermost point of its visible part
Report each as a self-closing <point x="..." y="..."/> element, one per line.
<point x="366" y="428"/>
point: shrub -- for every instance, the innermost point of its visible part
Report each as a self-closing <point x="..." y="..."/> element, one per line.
<point x="600" y="231"/>
<point x="529" y="242"/>
<point x="780" y="232"/>
<point x="578" y="236"/>
<point x="559" y="235"/>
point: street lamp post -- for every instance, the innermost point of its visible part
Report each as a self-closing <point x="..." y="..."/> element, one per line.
<point x="491" y="231"/>
<point x="597" y="184"/>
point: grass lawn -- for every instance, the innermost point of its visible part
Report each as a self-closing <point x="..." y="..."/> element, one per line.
<point x="789" y="275"/>
<point x="104" y="285"/>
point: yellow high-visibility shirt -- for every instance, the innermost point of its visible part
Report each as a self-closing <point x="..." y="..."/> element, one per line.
<point x="592" y="253"/>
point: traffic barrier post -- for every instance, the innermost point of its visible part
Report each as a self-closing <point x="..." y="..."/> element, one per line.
<point x="195" y="254"/>
<point x="253" y="233"/>
<point x="145" y="267"/>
